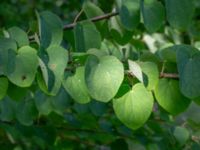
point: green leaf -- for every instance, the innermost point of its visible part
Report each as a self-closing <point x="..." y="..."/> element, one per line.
<point x="26" y="64"/>
<point x="61" y="101"/>
<point x="145" y="72"/>
<point x="7" y="109"/>
<point x="150" y="74"/>
<point x="3" y="87"/>
<point x="91" y="10"/>
<point x="86" y="36"/>
<point x="58" y="58"/>
<point x="8" y="49"/>
<point x="50" y="28"/>
<point x="168" y="95"/>
<point x="26" y="112"/>
<point x="188" y="61"/>
<point x="135" y="107"/>
<point x="6" y="44"/>
<point x="46" y="104"/>
<point x="19" y="36"/>
<point x="153" y="15"/>
<point x="130" y="14"/>
<point x="43" y="104"/>
<point x="179" y="13"/>
<point x="169" y="53"/>
<point x="181" y="134"/>
<point x="118" y="33"/>
<point x="75" y="85"/>
<point x="103" y="77"/>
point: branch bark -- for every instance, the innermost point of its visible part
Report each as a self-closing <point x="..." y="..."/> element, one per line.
<point x="94" y="19"/>
<point x="169" y="75"/>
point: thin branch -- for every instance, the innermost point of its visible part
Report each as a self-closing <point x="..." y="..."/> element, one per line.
<point x="95" y="19"/>
<point x="162" y="75"/>
<point x="169" y="75"/>
<point x="78" y="15"/>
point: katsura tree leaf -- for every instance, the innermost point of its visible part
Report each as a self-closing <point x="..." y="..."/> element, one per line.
<point x="118" y="33"/>
<point x="188" y="62"/>
<point x="7" y="43"/>
<point x="26" y="112"/>
<point x="19" y="36"/>
<point x="7" y="109"/>
<point x="58" y="58"/>
<point x="8" y="49"/>
<point x="3" y="87"/>
<point x="168" y="95"/>
<point x="45" y="104"/>
<point x="150" y="74"/>
<point x="169" y="54"/>
<point x="179" y="13"/>
<point x="181" y="134"/>
<point x="42" y="102"/>
<point x="50" y="28"/>
<point x="135" y="107"/>
<point x="153" y="14"/>
<point x="103" y="77"/>
<point x="86" y="36"/>
<point x="130" y="14"/>
<point x="75" y="85"/>
<point x="26" y="64"/>
<point x="91" y="10"/>
<point x="135" y="70"/>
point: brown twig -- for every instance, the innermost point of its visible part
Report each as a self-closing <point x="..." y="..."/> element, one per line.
<point x="94" y="19"/>
<point x="162" y="75"/>
<point x="169" y="75"/>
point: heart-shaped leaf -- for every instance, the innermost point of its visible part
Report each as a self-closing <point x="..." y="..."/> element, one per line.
<point x="188" y="61"/>
<point x="135" y="107"/>
<point x="26" y="111"/>
<point x="179" y="13"/>
<point x="75" y="85"/>
<point x="50" y="28"/>
<point x="86" y="36"/>
<point x="153" y="14"/>
<point x="58" y="58"/>
<point x="8" y="49"/>
<point x="19" y="36"/>
<point x="26" y="64"/>
<point x="168" y="95"/>
<point x="103" y="77"/>
<point x="130" y="14"/>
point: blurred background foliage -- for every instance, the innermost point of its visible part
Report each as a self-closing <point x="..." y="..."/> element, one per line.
<point x="94" y="125"/>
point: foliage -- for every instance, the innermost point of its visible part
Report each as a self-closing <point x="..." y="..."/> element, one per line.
<point x="123" y="74"/>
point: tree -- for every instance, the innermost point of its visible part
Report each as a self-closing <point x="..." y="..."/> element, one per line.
<point x="121" y="75"/>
